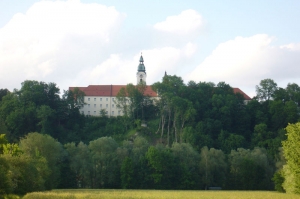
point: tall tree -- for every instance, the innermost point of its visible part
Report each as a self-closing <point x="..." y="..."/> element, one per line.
<point x="187" y="167"/>
<point x="35" y="145"/>
<point x="249" y="170"/>
<point x="104" y="162"/>
<point x="292" y="153"/>
<point x="161" y="162"/>
<point x="212" y="167"/>
<point x="266" y="89"/>
<point x="3" y="92"/>
<point x="80" y="163"/>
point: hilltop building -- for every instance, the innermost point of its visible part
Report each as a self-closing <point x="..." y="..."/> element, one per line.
<point x="98" y="97"/>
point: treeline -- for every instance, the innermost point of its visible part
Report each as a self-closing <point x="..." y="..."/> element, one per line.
<point x="39" y="162"/>
<point x="188" y="124"/>
<point x="38" y="107"/>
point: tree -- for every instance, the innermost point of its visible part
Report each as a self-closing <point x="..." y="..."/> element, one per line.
<point x="293" y="93"/>
<point x="74" y="98"/>
<point x="172" y="105"/>
<point x="5" y="182"/>
<point x="3" y="141"/>
<point x="278" y="180"/>
<point x="80" y="163"/>
<point x="187" y="159"/>
<point x="212" y="167"/>
<point x="27" y="174"/>
<point x="127" y="174"/>
<point x="133" y="101"/>
<point x="44" y="113"/>
<point x="291" y="152"/>
<point x="249" y="170"/>
<point x="183" y="111"/>
<point x="3" y="92"/>
<point x="266" y="89"/>
<point x="104" y="162"/>
<point x="230" y="141"/>
<point x="161" y="163"/>
<point x="35" y="107"/>
<point x="35" y="145"/>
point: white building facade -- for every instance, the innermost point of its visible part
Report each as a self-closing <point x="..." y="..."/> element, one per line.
<point x="103" y="97"/>
<point x="94" y="104"/>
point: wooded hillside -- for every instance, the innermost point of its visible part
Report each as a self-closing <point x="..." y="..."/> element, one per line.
<point x="198" y="135"/>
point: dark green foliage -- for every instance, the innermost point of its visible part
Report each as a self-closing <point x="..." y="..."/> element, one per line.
<point x="162" y="165"/>
<point x="249" y="170"/>
<point x="67" y="177"/>
<point x="5" y="182"/>
<point x="38" y="145"/>
<point x="3" y="92"/>
<point x="127" y="177"/>
<point x="26" y="174"/>
<point x="186" y="160"/>
<point x="197" y="135"/>
<point x="278" y="180"/>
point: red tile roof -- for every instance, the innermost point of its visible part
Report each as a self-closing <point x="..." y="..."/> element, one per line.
<point x="109" y="90"/>
<point x="112" y="90"/>
<point x="237" y="90"/>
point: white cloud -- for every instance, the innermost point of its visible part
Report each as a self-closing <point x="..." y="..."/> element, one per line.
<point x="291" y="47"/>
<point x="119" y="70"/>
<point x="52" y="40"/>
<point x="245" y="61"/>
<point x="186" y="22"/>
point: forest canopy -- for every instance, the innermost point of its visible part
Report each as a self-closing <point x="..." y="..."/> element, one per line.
<point x="197" y="135"/>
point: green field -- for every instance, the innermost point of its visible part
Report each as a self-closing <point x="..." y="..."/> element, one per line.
<point x="159" y="194"/>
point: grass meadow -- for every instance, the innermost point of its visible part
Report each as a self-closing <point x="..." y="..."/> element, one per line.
<point x="155" y="194"/>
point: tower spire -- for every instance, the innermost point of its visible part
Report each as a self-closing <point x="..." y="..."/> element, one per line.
<point x="141" y="67"/>
<point x="141" y="71"/>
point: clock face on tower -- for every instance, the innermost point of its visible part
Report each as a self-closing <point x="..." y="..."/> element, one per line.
<point x="141" y="76"/>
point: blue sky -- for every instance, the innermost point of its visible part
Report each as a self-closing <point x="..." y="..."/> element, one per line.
<point x="78" y="43"/>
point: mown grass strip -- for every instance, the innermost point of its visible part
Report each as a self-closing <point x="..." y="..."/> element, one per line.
<point x="156" y="194"/>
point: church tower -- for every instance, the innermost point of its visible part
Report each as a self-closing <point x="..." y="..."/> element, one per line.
<point x="141" y="73"/>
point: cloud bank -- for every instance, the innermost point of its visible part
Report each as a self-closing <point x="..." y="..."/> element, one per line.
<point x="186" y="22"/>
<point x="245" y="61"/>
<point x="77" y="44"/>
<point x="54" y="39"/>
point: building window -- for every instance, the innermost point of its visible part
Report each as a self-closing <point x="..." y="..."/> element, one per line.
<point x="113" y="99"/>
<point x="106" y="99"/>
<point x="100" y="98"/>
<point x="100" y="105"/>
<point x="113" y="105"/>
<point x="94" y="112"/>
<point x="94" y="99"/>
<point x="89" y="105"/>
<point x="106" y="112"/>
<point x="112" y="113"/>
<point x="106" y="105"/>
<point x="94" y="105"/>
<point x="88" y="112"/>
<point x="82" y="112"/>
<point x="89" y="99"/>
<point x="119" y="112"/>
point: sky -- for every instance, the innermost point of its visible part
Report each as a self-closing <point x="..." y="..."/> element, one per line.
<point x="95" y="42"/>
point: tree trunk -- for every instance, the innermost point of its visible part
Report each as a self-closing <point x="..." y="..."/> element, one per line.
<point x="158" y="127"/>
<point x="175" y="130"/>
<point x="163" y="121"/>
<point x="169" y="127"/>
<point x="181" y="130"/>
